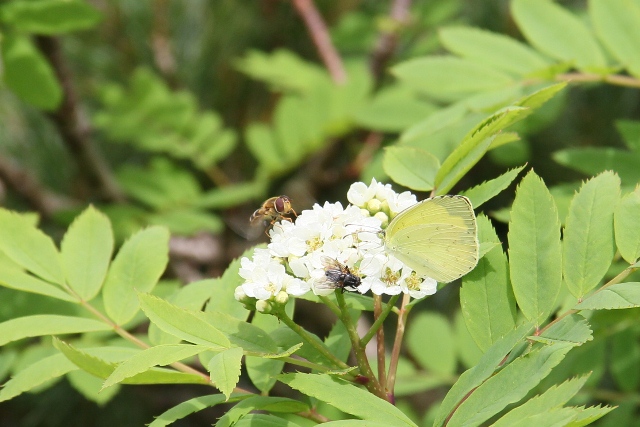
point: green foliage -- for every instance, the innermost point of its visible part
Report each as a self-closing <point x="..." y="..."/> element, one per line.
<point x="486" y="297"/>
<point x="535" y="254"/>
<point x="153" y="118"/>
<point x="28" y="74"/>
<point x="543" y="330"/>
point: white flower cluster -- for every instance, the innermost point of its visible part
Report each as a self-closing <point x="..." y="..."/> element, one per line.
<point x="293" y="262"/>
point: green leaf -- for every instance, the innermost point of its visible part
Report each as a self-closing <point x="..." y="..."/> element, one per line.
<point x="281" y="69"/>
<point x="225" y="370"/>
<point x="263" y="372"/>
<point x="261" y="143"/>
<point x="486" y="298"/>
<point x="586" y="416"/>
<point x="161" y="185"/>
<point x="101" y="368"/>
<point x="353" y="423"/>
<point x="35" y="375"/>
<point x="47" y="324"/>
<point x="468" y="350"/>
<point x="558" y="33"/>
<point x="144" y="360"/>
<point x="630" y="131"/>
<point x="264" y="403"/>
<point x="550" y="418"/>
<point x="474" y="146"/>
<point x="14" y="278"/>
<point x="623" y="364"/>
<point x="230" y="195"/>
<point x="191" y="406"/>
<point x="594" y="160"/>
<point x="50" y="17"/>
<point x="139" y="264"/>
<point x="553" y="398"/>
<point x="588" y="239"/>
<point x="616" y="24"/>
<point x="240" y="333"/>
<point x="535" y="252"/>
<point x="438" y="121"/>
<point x="86" y="252"/>
<point x="192" y="297"/>
<point x="264" y="420"/>
<point x="90" y="387"/>
<point x="489" y="189"/>
<point x="393" y="109"/>
<point x="29" y="247"/>
<point x="223" y="290"/>
<point x="411" y="167"/>
<point x="346" y="397"/>
<point x="475" y="376"/>
<point x="618" y="296"/>
<point x="626" y="226"/>
<point x="509" y="385"/>
<point x="448" y="75"/>
<point x="188" y="325"/>
<point x="425" y="329"/>
<point x="338" y="341"/>
<point x="497" y="50"/>
<point x="573" y="329"/>
<point x="285" y="353"/>
<point x="28" y="73"/>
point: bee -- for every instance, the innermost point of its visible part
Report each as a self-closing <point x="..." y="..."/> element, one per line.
<point x="337" y="276"/>
<point x="272" y="210"/>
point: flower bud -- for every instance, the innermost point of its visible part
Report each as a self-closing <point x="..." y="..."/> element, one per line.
<point x="374" y="205"/>
<point x="239" y="294"/>
<point x="263" y="306"/>
<point x="282" y="297"/>
<point x="384" y="219"/>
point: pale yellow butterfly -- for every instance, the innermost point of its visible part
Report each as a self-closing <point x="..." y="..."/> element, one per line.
<point x="437" y="238"/>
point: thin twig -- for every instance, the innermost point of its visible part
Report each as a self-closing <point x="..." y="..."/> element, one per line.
<point x="161" y="42"/>
<point x="388" y="39"/>
<point x="320" y="35"/>
<point x="74" y="126"/>
<point x="372" y="383"/>
<point x="382" y="364"/>
<point x="378" y="322"/>
<point x="397" y="344"/>
<point x="621" y="276"/>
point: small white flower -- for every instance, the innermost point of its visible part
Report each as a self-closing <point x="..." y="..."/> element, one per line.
<point x="359" y="194"/>
<point x="419" y="287"/>
<point x="293" y="263"/>
<point x="401" y="202"/>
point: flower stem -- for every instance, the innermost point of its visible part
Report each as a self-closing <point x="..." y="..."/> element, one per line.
<point x="308" y="338"/>
<point x="372" y="383"/>
<point x="380" y="349"/>
<point x="379" y="320"/>
<point x="397" y="344"/>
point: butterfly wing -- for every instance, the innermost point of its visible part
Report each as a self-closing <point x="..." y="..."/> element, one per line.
<point x="436" y="237"/>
